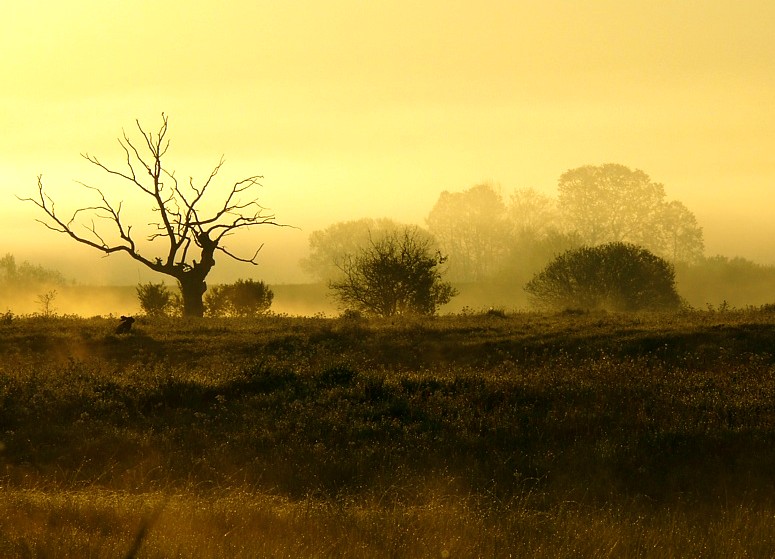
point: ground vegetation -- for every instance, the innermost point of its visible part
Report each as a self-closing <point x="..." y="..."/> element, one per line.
<point x="474" y="435"/>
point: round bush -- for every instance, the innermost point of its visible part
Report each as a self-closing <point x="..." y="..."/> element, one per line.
<point x="614" y="276"/>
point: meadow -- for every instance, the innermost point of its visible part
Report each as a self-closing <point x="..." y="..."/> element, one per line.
<point x="469" y="435"/>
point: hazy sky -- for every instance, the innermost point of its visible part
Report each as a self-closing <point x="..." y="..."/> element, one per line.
<point x="370" y="109"/>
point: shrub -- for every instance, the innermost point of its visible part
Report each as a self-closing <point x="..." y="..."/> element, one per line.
<point x="614" y="276"/>
<point x="396" y="275"/>
<point x="155" y="299"/>
<point x="244" y="298"/>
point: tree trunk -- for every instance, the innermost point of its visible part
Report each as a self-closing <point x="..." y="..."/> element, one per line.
<point x="192" y="280"/>
<point x="192" y="287"/>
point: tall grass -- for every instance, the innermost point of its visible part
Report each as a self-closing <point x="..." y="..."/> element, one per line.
<point x="464" y="436"/>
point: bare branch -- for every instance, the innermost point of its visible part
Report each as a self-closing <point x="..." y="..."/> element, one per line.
<point x="180" y="220"/>
<point x="251" y="260"/>
<point x="45" y="203"/>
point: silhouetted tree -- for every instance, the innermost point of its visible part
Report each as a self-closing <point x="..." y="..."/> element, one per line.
<point x="182" y="223"/>
<point x="396" y="275"/>
<point x="612" y="203"/>
<point x="471" y="229"/>
<point x="614" y="276"/>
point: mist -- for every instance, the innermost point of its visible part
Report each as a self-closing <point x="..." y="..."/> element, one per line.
<point x="734" y="271"/>
<point x="354" y="111"/>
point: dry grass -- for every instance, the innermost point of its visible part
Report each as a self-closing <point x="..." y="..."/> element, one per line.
<point x="468" y="436"/>
<point x="235" y="524"/>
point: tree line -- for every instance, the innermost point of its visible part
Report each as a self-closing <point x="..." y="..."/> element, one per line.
<point x="610" y="228"/>
<point x="604" y="217"/>
<point x="488" y="238"/>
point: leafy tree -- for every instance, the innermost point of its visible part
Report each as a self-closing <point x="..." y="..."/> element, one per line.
<point x="182" y="226"/>
<point x="244" y="298"/>
<point x="155" y="299"/>
<point x="396" y="275"/>
<point x="471" y="228"/>
<point x="612" y="203"/>
<point x="614" y="276"/>
<point x="329" y="247"/>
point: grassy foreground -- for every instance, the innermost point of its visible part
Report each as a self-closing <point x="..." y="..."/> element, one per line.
<point x="464" y="436"/>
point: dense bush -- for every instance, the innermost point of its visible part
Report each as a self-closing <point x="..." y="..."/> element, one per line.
<point x="244" y="298"/>
<point x="155" y="299"/>
<point x="614" y="276"/>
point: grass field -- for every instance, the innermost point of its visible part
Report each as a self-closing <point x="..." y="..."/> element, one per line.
<point x="476" y="435"/>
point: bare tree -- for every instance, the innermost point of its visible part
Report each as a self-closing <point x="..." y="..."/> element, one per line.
<point x="181" y="226"/>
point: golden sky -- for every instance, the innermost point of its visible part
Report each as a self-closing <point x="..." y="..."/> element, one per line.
<point x="370" y="109"/>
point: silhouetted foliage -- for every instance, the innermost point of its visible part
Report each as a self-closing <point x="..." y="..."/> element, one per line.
<point x="155" y="299"/>
<point x="612" y="203"/>
<point x="244" y="298"/>
<point x="181" y="224"/>
<point x="396" y="275"/>
<point x="614" y="276"/>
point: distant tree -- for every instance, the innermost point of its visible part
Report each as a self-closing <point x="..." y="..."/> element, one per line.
<point x="182" y="223"/>
<point x="329" y="247"/>
<point x="244" y="298"/>
<point x="396" y="275"/>
<point x="46" y="302"/>
<point x="682" y="236"/>
<point x="155" y="299"/>
<point x="612" y="203"/>
<point x="532" y="213"/>
<point x="614" y="276"/>
<point x="472" y="229"/>
<point x="27" y="275"/>
<point x="530" y="251"/>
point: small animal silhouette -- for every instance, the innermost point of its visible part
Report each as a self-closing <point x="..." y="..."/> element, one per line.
<point x="126" y="325"/>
